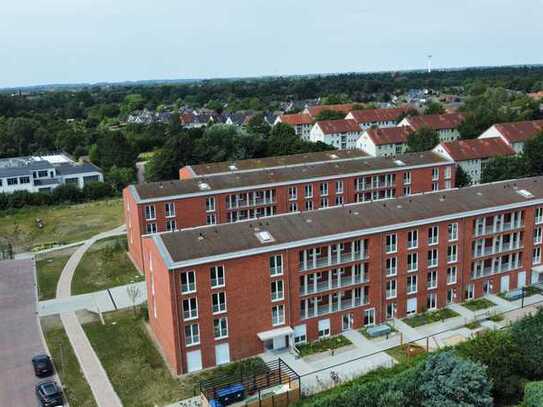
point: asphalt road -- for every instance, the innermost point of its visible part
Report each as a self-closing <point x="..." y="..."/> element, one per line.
<point x="19" y="333"/>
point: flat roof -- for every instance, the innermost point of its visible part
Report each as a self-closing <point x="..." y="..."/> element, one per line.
<point x="282" y="175"/>
<point x="216" y="243"/>
<point x="274" y="162"/>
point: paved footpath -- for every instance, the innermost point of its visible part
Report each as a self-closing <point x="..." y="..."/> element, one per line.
<point x="96" y="376"/>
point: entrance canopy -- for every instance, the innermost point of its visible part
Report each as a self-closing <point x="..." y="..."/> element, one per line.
<point x="274" y="333"/>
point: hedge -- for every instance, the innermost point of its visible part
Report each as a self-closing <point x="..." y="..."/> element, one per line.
<point x="533" y="394"/>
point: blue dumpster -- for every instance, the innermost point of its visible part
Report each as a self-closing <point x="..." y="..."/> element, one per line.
<point x="230" y="394"/>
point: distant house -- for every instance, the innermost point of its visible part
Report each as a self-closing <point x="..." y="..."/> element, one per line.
<point x="341" y="134"/>
<point x="193" y="120"/>
<point x="471" y="155"/>
<point x="45" y="173"/>
<point x="238" y="118"/>
<point x="302" y="123"/>
<point x="377" y="117"/>
<point x="148" y="117"/>
<point x="515" y="134"/>
<point x="314" y="111"/>
<point x="445" y="124"/>
<point x="384" y="142"/>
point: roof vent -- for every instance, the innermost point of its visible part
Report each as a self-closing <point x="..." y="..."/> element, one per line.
<point x="232" y="167"/>
<point x="204" y="186"/>
<point x="399" y="163"/>
<point x="201" y="236"/>
<point x="264" y="236"/>
<point x="525" y="193"/>
<point x="334" y="156"/>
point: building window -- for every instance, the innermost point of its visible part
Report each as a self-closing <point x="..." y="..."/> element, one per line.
<point x="538" y="237"/>
<point x="391" y="310"/>
<point x="412" y="239"/>
<point x="433" y="235"/>
<point x="539" y="215"/>
<point x="435" y="186"/>
<point x="412" y="262"/>
<point x="339" y="187"/>
<point x="188" y="282"/>
<point x="210" y="204"/>
<point x="451" y="295"/>
<point x="278" y="315"/>
<point x="170" y="225"/>
<point x="277" y="292"/>
<point x="25" y="180"/>
<point x="190" y="309"/>
<point x="407" y="178"/>
<point x="276" y="265"/>
<point x="300" y="334"/>
<point x="292" y="193"/>
<point x="324" y="189"/>
<point x="369" y="317"/>
<point x="324" y="202"/>
<point x="211" y="219"/>
<point x="293" y="206"/>
<point x="220" y="328"/>
<point x="448" y="172"/>
<point x="308" y="191"/>
<point x="451" y="275"/>
<point x="339" y="200"/>
<point x="453" y="232"/>
<point x="309" y="205"/>
<point x="391" y="289"/>
<point x="324" y="328"/>
<point x="13" y="181"/>
<point x="407" y="190"/>
<point x="448" y="184"/>
<point x="469" y="293"/>
<point x="217" y="276"/>
<point x="218" y="302"/>
<point x="432" y="258"/>
<point x="452" y="254"/>
<point x="391" y="266"/>
<point x="435" y="174"/>
<point x="431" y="302"/>
<point x="149" y="212"/>
<point x="391" y="243"/>
<point x="169" y="208"/>
<point x="411" y="284"/>
<point x="536" y="256"/>
<point x="150" y="228"/>
<point x="192" y="335"/>
<point x="432" y="279"/>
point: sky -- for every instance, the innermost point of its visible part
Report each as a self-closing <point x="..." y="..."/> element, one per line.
<point x="76" y="41"/>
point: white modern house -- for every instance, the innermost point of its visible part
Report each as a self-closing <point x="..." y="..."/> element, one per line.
<point x="341" y="134"/>
<point x="384" y="142"/>
<point x="301" y="122"/>
<point x="515" y="134"/>
<point x="445" y="124"/>
<point x="45" y="173"/>
<point x="377" y="117"/>
<point x="471" y="155"/>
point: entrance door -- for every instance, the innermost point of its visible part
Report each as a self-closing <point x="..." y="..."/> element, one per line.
<point x="279" y="342"/>
<point x="504" y="284"/>
<point x="347" y="322"/>
<point x="194" y="360"/>
<point x="521" y="279"/>
<point x="222" y="354"/>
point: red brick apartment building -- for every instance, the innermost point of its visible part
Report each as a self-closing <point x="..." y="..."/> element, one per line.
<point x="232" y="192"/>
<point x="230" y="291"/>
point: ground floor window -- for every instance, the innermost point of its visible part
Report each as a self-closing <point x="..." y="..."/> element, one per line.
<point x="369" y="317"/>
<point x="324" y="328"/>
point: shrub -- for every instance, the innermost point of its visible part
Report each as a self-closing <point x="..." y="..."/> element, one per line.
<point x="97" y="190"/>
<point x="528" y="336"/>
<point x="533" y="394"/>
<point x="67" y="193"/>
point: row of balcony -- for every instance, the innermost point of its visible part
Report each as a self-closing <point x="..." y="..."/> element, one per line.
<point x="331" y="284"/>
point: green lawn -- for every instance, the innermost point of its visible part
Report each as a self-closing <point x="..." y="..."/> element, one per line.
<point x="49" y="271"/>
<point x="62" y="223"/>
<point x="429" y="317"/>
<point x="105" y="265"/>
<point x="323" y="345"/>
<point x="478" y="304"/>
<point x="76" y="387"/>
<point x="136" y="369"/>
<point x="405" y="353"/>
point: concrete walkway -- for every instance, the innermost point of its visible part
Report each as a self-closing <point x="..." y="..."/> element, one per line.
<point x="92" y="369"/>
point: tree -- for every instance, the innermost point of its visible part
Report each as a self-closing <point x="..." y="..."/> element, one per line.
<point x="462" y="178"/>
<point x="533" y="154"/>
<point x="434" y="108"/>
<point x="283" y="140"/>
<point x="533" y="394"/>
<point x="97" y="190"/>
<point x="423" y="139"/>
<point x="449" y="381"/>
<point x="67" y="193"/>
<point x="528" y="336"/>
<point x="329" y="115"/>
<point x="258" y="126"/>
<point x="133" y="292"/>
<point x="112" y="148"/>
<point x="503" y="168"/>
<point x="120" y="177"/>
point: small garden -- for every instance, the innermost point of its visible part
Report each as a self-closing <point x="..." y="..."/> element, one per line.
<point x="478" y="304"/>
<point x="429" y="317"/>
<point x="323" y="345"/>
<point x="48" y="272"/>
<point x="105" y="265"/>
<point x="405" y="352"/>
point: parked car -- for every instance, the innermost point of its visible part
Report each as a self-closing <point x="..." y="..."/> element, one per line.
<point x="42" y="365"/>
<point x="49" y="394"/>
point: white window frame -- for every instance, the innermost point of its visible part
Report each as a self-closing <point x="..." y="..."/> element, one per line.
<point x="214" y="275"/>
<point x="192" y="338"/>
<point x="218" y="327"/>
<point x="218" y="307"/>
<point x="453" y="232"/>
<point x="277" y="290"/>
<point x="188" y="284"/>
<point x="278" y="315"/>
<point x="190" y="308"/>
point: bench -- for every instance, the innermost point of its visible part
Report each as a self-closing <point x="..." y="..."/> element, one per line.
<point x="379" y="330"/>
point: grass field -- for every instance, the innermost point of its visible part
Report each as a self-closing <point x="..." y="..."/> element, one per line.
<point x="137" y="370"/>
<point x="48" y="271"/>
<point x="76" y="387"/>
<point x="62" y="223"/>
<point x="405" y="353"/>
<point x="105" y="265"/>
<point x="478" y="304"/>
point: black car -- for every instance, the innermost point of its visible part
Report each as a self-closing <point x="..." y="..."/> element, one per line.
<point x="42" y="365"/>
<point x="49" y="394"/>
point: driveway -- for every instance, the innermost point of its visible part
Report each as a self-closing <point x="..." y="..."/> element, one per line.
<point x="20" y="336"/>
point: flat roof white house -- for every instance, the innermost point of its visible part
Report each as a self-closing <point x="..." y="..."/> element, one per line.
<point x="45" y="173"/>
